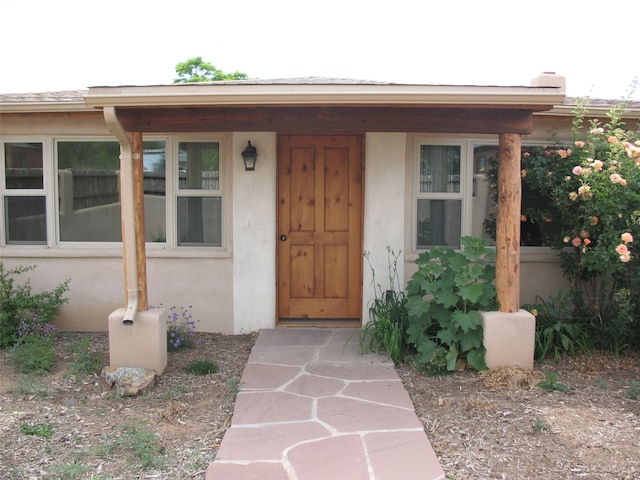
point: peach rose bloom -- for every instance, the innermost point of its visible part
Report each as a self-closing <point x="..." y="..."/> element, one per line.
<point x="622" y="249"/>
<point x="615" y="178"/>
<point x="626" y="237"/>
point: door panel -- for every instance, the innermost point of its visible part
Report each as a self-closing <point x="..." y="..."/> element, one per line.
<point x="320" y="229"/>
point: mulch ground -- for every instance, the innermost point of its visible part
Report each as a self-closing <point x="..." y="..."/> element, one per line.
<point x="481" y="426"/>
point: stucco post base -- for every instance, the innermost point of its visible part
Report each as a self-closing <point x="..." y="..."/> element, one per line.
<point x="509" y="339"/>
<point x="141" y="345"/>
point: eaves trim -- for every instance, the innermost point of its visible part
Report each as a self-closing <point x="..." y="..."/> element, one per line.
<point x="590" y="111"/>
<point x="44" y="107"/>
<point x="323" y="95"/>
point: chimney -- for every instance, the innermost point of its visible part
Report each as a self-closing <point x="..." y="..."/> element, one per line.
<point x="550" y="79"/>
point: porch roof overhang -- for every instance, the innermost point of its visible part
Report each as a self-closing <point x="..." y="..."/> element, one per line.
<point x="327" y="105"/>
<point x="318" y="92"/>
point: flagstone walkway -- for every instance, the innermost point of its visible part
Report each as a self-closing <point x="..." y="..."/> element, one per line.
<point x="311" y="407"/>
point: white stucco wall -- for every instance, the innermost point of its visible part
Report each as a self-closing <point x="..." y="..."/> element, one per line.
<point x="384" y="224"/>
<point x="254" y="234"/>
<point x="97" y="284"/>
<point x="95" y="287"/>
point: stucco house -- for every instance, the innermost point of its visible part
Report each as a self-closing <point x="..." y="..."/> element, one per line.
<point x="342" y="167"/>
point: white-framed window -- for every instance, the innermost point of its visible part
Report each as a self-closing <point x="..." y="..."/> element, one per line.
<point x="442" y="188"/>
<point x="59" y="191"/>
<point x="24" y="182"/>
<point x="88" y="190"/>
<point x="454" y="196"/>
<point x="534" y="232"/>
<point x="198" y="199"/>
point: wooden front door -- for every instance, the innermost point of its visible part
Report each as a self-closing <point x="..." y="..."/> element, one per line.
<point x="319" y="254"/>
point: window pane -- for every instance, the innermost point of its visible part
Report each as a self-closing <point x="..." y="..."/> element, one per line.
<point x="154" y="159"/>
<point x="484" y="203"/>
<point x="439" y="223"/>
<point x="199" y="166"/>
<point x="89" y="194"/>
<point x="200" y="221"/>
<point x="23" y="165"/>
<point x="440" y="168"/>
<point x="536" y="229"/>
<point x="26" y="220"/>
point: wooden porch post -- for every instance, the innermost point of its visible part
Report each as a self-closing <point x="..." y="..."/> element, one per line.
<point x="508" y="223"/>
<point x="138" y="198"/>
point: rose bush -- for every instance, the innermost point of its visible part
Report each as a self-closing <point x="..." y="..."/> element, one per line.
<point x="592" y="188"/>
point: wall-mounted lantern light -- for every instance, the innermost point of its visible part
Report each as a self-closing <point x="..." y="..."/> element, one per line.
<point x="250" y="155"/>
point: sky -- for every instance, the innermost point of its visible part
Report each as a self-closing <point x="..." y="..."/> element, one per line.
<point x="50" y="45"/>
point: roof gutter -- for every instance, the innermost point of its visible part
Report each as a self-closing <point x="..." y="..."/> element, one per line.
<point x="258" y="94"/>
<point x="590" y="111"/>
<point x="128" y="214"/>
<point x="44" y="107"/>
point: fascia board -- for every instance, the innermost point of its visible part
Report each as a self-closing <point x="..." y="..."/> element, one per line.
<point x="44" y="107"/>
<point x="591" y="112"/>
<point x="323" y="95"/>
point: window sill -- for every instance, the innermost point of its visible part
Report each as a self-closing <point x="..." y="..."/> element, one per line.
<point x="108" y="251"/>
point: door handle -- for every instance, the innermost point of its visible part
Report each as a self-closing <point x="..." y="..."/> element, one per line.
<point x="283" y="237"/>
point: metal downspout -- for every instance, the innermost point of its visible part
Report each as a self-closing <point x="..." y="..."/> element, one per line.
<point x="128" y="213"/>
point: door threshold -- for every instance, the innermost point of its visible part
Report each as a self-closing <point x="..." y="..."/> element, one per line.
<point x="319" y="322"/>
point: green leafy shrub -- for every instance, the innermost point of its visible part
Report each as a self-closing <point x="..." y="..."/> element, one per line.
<point x="388" y="315"/>
<point x="23" y="312"/>
<point x="34" y="354"/>
<point x="444" y="300"/>
<point x="202" y="367"/>
<point x="557" y="330"/>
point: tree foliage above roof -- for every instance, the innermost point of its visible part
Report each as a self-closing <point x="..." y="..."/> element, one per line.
<point x="197" y="70"/>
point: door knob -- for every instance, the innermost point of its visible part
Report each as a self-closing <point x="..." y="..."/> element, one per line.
<point x="283" y="237"/>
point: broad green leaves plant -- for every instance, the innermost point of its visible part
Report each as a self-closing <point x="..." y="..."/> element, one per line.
<point x="444" y="300"/>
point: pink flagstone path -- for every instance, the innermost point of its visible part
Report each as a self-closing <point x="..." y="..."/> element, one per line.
<point x="312" y="407"/>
